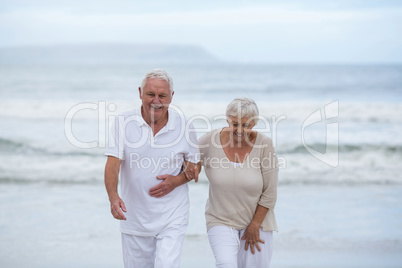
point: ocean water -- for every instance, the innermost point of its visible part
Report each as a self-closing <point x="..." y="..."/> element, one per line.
<point x="336" y="130"/>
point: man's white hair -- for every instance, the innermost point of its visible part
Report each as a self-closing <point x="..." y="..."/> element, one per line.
<point x="243" y="107"/>
<point x="159" y="74"/>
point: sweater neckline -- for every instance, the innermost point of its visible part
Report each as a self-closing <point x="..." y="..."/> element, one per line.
<point x="218" y="137"/>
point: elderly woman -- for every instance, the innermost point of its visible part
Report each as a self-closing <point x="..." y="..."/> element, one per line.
<point x="241" y="167"/>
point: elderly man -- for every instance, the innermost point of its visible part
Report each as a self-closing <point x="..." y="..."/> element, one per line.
<point x="149" y="146"/>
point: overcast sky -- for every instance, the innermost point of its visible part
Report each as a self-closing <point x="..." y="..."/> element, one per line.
<point x="346" y="31"/>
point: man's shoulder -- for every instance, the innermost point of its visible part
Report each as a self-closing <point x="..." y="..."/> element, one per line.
<point x="176" y="114"/>
<point x="129" y="113"/>
<point x="178" y="118"/>
<point x="127" y="117"/>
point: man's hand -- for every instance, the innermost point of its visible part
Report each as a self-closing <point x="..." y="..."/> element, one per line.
<point x="117" y="208"/>
<point x="168" y="184"/>
<point x="252" y="237"/>
<point x="191" y="171"/>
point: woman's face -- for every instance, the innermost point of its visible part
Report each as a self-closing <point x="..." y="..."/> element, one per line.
<point x="240" y="128"/>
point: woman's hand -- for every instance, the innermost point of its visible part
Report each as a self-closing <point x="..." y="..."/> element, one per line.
<point x="190" y="170"/>
<point x="252" y="237"/>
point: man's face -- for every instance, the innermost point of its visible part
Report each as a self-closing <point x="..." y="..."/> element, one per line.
<point x="155" y="98"/>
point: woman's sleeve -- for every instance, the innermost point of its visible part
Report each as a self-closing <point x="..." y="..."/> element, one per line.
<point x="203" y="144"/>
<point x="206" y="144"/>
<point x="193" y="152"/>
<point x="269" y="170"/>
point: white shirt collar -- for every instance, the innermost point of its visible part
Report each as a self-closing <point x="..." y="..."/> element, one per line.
<point x="169" y="125"/>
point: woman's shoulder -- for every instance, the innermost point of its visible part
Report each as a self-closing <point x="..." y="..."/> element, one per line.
<point x="209" y="142"/>
<point x="206" y="138"/>
<point x="263" y="139"/>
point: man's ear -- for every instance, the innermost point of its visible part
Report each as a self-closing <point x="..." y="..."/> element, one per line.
<point x="139" y="91"/>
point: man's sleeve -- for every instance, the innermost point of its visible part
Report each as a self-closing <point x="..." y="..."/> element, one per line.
<point x="115" y="144"/>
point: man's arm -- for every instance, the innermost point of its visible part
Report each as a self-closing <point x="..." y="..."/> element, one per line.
<point x="112" y="170"/>
<point x="169" y="182"/>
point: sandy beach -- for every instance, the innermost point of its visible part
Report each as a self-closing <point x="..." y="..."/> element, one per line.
<point x="59" y="225"/>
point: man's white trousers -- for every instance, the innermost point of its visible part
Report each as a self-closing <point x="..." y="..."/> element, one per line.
<point x="160" y="251"/>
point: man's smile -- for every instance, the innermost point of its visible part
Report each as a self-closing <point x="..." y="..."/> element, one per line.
<point x="157" y="107"/>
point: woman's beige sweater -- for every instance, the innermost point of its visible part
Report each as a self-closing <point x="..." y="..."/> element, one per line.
<point x="235" y="190"/>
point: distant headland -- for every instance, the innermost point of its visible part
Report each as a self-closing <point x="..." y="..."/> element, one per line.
<point x="105" y="53"/>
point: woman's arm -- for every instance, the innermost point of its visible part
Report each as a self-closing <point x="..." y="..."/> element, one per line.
<point x="269" y="171"/>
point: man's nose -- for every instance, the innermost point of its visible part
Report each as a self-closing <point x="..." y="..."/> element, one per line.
<point x="156" y="100"/>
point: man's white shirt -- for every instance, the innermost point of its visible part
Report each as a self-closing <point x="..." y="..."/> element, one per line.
<point x="144" y="157"/>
